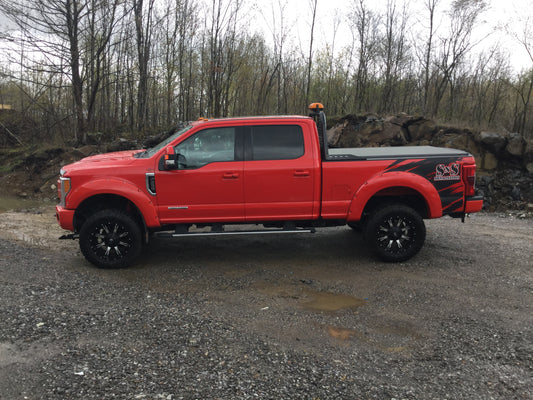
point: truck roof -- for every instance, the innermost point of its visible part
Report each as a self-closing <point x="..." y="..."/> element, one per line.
<point x="251" y="119"/>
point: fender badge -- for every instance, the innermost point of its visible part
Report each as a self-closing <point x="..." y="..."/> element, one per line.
<point x="450" y="172"/>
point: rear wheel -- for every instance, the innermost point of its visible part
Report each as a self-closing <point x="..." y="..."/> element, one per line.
<point x="396" y="232"/>
<point x="110" y="239"/>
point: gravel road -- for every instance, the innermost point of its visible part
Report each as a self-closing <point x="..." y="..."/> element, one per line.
<point x="286" y="317"/>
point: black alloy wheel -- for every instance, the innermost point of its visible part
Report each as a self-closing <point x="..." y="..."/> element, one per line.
<point x="396" y="232"/>
<point x="110" y="239"/>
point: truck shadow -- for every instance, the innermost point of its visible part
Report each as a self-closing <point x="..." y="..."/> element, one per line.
<point x="339" y="245"/>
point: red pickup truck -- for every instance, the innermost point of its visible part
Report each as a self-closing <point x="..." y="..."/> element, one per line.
<point x="276" y="173"/>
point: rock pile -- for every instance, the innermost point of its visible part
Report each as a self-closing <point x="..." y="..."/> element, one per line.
<point x="505" y="160"/>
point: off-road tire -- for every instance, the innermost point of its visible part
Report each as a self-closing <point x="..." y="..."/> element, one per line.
<point x="110" y="239"/>
<point x="395" y="232"/>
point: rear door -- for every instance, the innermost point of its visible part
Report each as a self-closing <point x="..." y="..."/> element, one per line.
<point x="280" y="173"/>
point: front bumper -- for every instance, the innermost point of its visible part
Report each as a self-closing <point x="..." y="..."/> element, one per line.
<point x="473" y="204"/>
<point x="65" y="218"/>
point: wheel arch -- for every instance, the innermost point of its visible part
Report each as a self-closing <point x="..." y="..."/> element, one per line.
<point x="398" y="187"/>
<point x="104" y="201"/>
<point x="112" y="193"/>
<point x="398" y="195"/>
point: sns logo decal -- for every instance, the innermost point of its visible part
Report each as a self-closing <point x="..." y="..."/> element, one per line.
<point x="450" y="172"/>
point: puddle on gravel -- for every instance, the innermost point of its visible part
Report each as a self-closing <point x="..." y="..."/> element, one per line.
<point x="312" y="300"/>
<point x="325" y="301"/>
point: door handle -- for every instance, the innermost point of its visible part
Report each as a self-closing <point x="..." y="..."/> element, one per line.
<point x="302" y="173"/>
<point x="231" y="175"/>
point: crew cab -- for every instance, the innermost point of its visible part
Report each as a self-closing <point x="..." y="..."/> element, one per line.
<point x="275" y="174"/>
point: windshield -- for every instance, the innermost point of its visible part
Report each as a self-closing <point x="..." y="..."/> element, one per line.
<point x="150" y="152"/>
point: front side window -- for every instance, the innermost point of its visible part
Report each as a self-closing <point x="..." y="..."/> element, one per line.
<point x="207" y="146"/>
<point x="277" y="142"/>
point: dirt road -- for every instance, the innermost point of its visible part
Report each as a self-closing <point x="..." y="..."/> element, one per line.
<point x="303" y="316"/>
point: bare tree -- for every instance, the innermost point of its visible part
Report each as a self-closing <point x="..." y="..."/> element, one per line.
<point x="522" y="31"/>
<point x="394" y="48"/>
<point x="72" y="32"/>
<point x="364" y="25"/>
<point x="175" y="44"/>
<point x="124" y="67"/>
<point x="143" y="12"/>
<point x="455" y="46"/>
<point x="222" y="41"/>
<point x="280" y="28"/>
<point x="431" y="6"/>
<point x="313" y="7"/>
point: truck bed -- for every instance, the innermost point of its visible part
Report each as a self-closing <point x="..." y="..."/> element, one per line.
<point x="384" y="153"/>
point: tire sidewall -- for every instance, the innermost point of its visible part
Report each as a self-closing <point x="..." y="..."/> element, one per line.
<point x="124" y="220"/>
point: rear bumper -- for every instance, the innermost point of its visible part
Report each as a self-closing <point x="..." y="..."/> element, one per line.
<point x="65" y="218"/>
<point x="473" y="204"/>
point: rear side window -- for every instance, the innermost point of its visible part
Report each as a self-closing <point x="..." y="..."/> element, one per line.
<point x="277" y="142"/>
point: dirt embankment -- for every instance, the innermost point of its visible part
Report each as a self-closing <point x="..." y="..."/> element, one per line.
<point x="32" y="171"/>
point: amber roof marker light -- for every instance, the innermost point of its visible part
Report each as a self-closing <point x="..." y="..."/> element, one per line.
<point x="316" y="107"/>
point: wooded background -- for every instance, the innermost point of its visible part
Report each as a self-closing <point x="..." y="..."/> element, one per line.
<point x="136" y="67"/>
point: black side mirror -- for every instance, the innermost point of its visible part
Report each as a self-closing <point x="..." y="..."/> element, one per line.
<point x="170" y="158"/>
<point x="173" y="160"/>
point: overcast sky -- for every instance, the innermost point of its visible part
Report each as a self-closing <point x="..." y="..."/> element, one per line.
<point x="500" y="13"/>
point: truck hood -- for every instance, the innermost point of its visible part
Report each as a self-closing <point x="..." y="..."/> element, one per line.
<point x="115" y="159"/>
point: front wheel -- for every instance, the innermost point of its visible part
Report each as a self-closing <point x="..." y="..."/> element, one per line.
<point x="395" y="232"/>
<point x="110" y="239"/>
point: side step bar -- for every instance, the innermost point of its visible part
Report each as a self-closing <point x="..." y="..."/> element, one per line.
<point x="221" y="233"/>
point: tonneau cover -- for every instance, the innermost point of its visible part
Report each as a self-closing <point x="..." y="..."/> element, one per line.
<point x="384" y="153"/>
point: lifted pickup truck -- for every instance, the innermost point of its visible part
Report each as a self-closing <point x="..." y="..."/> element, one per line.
<point x="274" y="173"/>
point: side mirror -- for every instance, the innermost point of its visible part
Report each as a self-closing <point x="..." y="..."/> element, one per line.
<point x="173" y="160"/>
<point x="170" y="158"/>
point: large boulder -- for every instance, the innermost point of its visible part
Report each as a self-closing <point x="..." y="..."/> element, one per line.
<point x="456" y="138"/>
<point x="528" y="152"/>
<point x="488" y="161"/>
<point x="516" y="145"/>
<point x="421" y="129"/>
<point x="85" y="151"/>
<point x="95" y="138"/>
<point x="367" y="131"/>
<point x="401" y="119"/>
<point x="389" y="135"/>
<point x="493" y="141"/>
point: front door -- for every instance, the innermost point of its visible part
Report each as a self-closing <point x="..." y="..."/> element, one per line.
<point x="208" y="186"/>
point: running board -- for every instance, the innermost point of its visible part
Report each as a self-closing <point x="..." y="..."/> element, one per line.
<point x="257" y="232"/>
